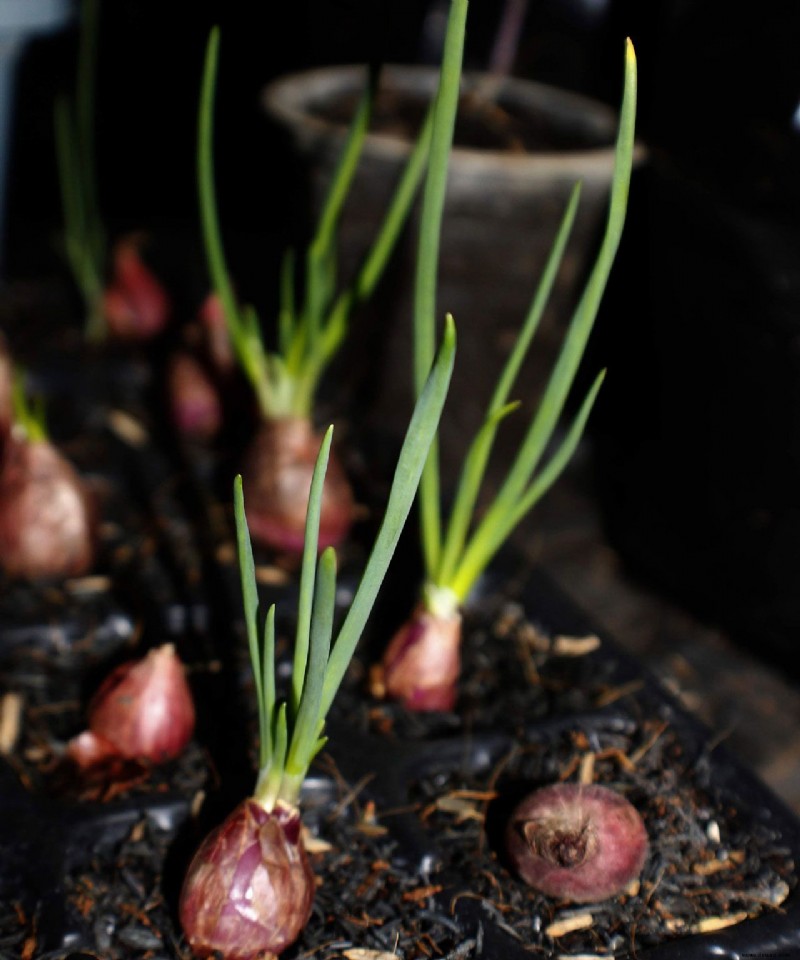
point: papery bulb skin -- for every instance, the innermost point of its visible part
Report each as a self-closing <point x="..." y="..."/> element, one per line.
<point x="135" y="304"/>
<point x="48" y="523"/>
<point x="276" y="478"/>
<point x="194" y="401"/>
<point x="144" y="708"/>
<point x="422" y="663"/>
<point x="577" y="843"/>
<point x="249" y="889"/>
<point x="88" y="750"/>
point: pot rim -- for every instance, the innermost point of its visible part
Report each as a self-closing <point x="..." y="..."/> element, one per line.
<point x="288" y="100"/>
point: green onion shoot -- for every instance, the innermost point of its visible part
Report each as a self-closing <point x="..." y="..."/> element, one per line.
<point x="311" y="328"/>
<point x="421" y="664"/>
<point x="249" y="889"/>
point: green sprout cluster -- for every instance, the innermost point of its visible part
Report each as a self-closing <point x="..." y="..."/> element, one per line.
<point x="309" y="332"/>
<point x="29" y="413"/>
<point x="456" y="555"/>
<point x="291" y="732"/>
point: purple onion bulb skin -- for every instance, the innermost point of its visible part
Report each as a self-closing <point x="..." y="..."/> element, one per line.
<point x="276" y="474"/>
<point x="576" y="843"/>
<point x="194" y="401"/>
<point x="48" y="520"/>
<point x="249" y="889"/>
<point x="421" y="665"/>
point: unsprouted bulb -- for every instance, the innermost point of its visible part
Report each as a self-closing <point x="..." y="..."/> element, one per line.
<point x="135" y="304"/>
<point x="576" y="842"/>
<point x="143" y="710"/>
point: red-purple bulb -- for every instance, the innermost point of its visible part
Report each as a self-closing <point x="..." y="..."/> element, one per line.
<point x="194" y="401"/>
<point x="143" y="710"/>
<point x="422" y="663"/>
<point x="249" y="888"/>
<point x="577" y="843"/>
<point x="47" y="518"/>
<point x="276" y="477"/>
<point x="135" y="304"/>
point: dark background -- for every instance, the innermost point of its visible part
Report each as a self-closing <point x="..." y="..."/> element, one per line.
<point x="148" y="79"/>
<point x="697" y="434"/>
<point x="718" y="87"/>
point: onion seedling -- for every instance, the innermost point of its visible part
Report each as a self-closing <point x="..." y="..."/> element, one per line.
<point x="421" y="664"/>
<point x="278" y="464"/>
<point x="133" y="305"/>
<point x="48" y="522"/>
<point x="249" y="888"/>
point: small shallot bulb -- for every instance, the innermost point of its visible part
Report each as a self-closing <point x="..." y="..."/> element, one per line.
<point x="194" y="401"/>
<point x="143" y="710"/>
<point x="276" y="474"/>
<point x="135" y="304"/>
<point x="576" y="843"/>
<point x="249" y="888"/>
<point x="47" y="517"/>
<point x="422" y="663"/>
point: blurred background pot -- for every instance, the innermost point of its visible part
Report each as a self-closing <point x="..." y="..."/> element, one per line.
<point x="20" y="21"/>
<point x="519" y="149"/>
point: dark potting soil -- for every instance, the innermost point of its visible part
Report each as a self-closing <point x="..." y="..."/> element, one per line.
<point x="515" y="673"/>
<point x="404" y="840"/>
<point x="404" y="809"/>
<point x="708" y="867"/>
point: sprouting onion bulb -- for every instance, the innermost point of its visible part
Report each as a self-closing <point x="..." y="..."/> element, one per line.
<point x="417" y="669"/>
<point x="249" y="888"/>
<point x="143" y="710"/>
<point x="426" y="647"/>
<point x="277" y="471"/>
<point x="48" y="520"/>
<point x="574" y="842"/>
<point x="311" y="328"/>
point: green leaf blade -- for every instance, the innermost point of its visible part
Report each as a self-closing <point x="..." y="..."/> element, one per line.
<point x="308" y="572"/>
<point x="308" y="722"/>
<point x="413" y="454"/>
<point x="247" y="575"/>
<point x="544" y="423"/>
